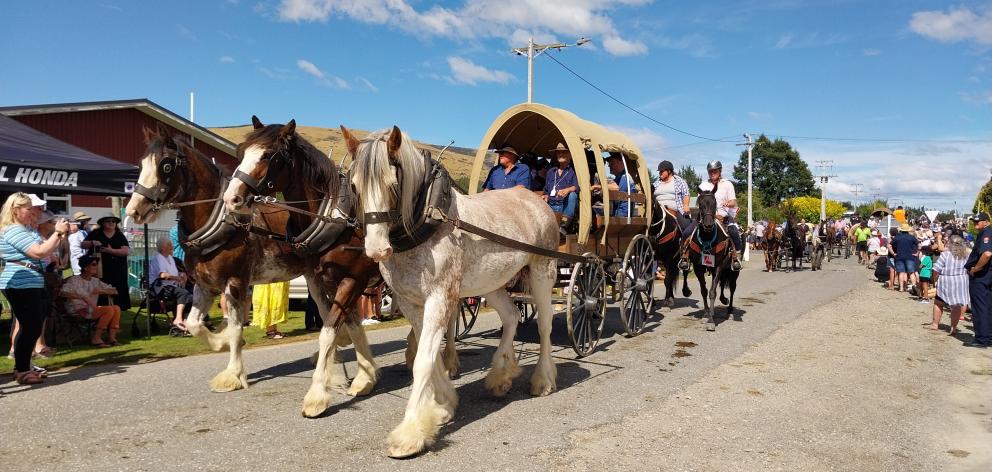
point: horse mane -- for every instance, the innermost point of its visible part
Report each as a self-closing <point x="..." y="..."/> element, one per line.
<point x="374" y="175"/>
<point x="158" y="140"/>
<point x="316" y="169"/>
<point x="771" y="229"/>
<point x="706" y="202"/>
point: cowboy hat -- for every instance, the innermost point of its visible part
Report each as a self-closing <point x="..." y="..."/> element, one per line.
<point x="80" y="216"/>
<point x="905" y="228"/>
<point x="108" y="217"/>
<point x="559" y="147"/>
<point x="508" y="149"/>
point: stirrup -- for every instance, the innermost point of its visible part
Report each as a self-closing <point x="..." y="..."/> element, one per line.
<point x="684" y="264"/>
<point x="735" y="263"/>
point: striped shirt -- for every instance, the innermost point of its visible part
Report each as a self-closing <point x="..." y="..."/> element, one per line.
<point x="952" y="286"/>
<point x="14" y="244"/>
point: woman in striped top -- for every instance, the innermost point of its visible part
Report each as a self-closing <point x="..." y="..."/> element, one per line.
<point x="22" y="281"/>
<point x="952" y="286"/>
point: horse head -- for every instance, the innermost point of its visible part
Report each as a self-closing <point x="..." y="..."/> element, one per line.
<point x="706" y="202"/>
<point x="159" y="180"/>
<point x="386" y="172"/>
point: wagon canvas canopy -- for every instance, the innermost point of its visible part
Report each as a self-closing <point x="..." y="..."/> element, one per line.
<point x="537" y="128"/>
<point x="33" y="161"/>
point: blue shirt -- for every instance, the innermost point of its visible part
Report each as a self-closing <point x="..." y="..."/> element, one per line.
<point x="904" y="245"/>
<point x="498" y="179"/>
<point x="557" y="182"/>
<point x="14" y="244"/>
<point x="628" y="186"/>
<point x="177" y="249"/>
<point x="983" y="242"/>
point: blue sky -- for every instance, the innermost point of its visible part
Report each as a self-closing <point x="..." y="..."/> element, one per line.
<point x="908" y="69"/>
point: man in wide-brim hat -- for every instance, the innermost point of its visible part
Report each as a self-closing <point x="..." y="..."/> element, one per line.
<point x="78" y="246"/>
<point x="906" y="253"/>
<point x="561" y="186"/>
<point x="508" y="173"/>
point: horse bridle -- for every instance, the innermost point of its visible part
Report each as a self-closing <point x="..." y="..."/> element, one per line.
<point x="168" y="166"/>
<point x="258" y="187"/>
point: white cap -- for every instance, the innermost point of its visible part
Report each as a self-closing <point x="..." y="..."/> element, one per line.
<point x="36" y="200"/>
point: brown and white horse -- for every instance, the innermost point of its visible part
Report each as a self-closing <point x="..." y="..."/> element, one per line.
<point x="429" y="280"/>
<point x="773" y="241"/>
<point x="249" y="259"/>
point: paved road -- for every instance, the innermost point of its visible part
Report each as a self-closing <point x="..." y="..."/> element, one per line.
<point x="162" y="416"/>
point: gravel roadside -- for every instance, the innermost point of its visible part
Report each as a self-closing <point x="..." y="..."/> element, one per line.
<point x="857" y="384"/>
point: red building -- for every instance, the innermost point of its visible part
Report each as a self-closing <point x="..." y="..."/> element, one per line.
<point x="113" y="129"/>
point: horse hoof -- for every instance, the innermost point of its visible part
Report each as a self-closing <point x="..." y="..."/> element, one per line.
<point x="711" y="327"/>
<point x="315" y="403"/>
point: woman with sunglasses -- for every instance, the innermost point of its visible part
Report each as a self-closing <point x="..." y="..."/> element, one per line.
<point x="22" y="279"/>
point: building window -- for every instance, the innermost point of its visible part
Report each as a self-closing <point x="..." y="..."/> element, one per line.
<point x="58" y="203"/>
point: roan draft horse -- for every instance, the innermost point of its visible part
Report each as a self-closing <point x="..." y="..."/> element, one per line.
<point x="666" y="238"/>
<point x="773" y="241"/>
<point x="276" y="159"/>
<point x="225" y="258"/>
<point x="422" y="242"/>
<point x="708" y="249"/>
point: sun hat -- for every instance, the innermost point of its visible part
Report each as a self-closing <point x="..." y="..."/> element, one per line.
<point x="559" y="147"/>
<point x="108" y="217"/>
<point x="905" y="228"/>
<point x="508" y="149"/>
<point x="36" y="200"/>
<point x="882" y="251"/>
<point x="80" y="216"/>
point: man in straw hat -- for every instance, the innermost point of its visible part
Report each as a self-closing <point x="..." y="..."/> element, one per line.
<point x="508" y="173"/>
<point x="561" y="187"/>
<point x="980" y="282"/>
<point x="77" y="235"/>
<point x="906" y="249"/>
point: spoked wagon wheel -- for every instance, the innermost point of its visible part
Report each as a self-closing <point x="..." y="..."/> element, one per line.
<point x="636" y="280"/>
<point x="586" y="305"/>
<point x="468" y="312"/>
<point x="527" y="311"/>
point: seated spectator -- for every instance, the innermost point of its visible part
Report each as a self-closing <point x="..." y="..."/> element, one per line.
<point x="508" y="173"/>
<point x="167" y="280"/>
<point x="81" y="293"/>
<point x="882" y="265"/>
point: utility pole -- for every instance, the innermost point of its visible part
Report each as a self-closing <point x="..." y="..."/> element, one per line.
<point x="533" y="50"/>
<point x="824" y="168"/>
<point x="750" y="190"/>
<point x="857" y="191"/>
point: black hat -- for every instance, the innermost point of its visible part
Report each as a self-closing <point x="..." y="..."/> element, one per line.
<point x="665" y="165"/>
<point x="980" y="216"/>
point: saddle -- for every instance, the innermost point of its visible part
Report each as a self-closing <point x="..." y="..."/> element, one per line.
<point x="692" y="243"/>
<point x="664" y="224"/>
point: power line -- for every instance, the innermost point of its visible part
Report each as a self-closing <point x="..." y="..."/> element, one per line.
<point x="615" y="99"/>
<point x="880" y="140"/>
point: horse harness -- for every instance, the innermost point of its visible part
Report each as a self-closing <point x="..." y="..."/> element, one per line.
<point x="664" y="225"/>
<point x="696" y="244"/>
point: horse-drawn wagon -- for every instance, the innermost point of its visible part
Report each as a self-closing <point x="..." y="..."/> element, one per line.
<point x="606" y="256"/>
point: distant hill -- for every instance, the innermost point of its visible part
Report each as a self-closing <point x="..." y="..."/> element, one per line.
<point x="458" y="161"/>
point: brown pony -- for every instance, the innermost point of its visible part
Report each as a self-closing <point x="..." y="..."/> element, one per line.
<point x="773" y="240"/>
<point x="178" y="174"/>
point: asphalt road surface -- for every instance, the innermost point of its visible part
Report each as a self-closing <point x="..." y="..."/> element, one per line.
<point x="162" y="416"/>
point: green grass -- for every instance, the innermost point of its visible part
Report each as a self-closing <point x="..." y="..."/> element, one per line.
<point x="162" y="346"/>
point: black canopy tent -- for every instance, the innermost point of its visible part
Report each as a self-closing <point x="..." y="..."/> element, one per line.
<point x="33" y="161"/>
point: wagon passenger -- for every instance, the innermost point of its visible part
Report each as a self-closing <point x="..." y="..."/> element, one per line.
<point x="509" y="172"/>
<point x="560" y="187"/>
<point x="621" y="182"/>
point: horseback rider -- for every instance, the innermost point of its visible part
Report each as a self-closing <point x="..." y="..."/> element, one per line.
<point x="672" y="192"/>
<point x="726" y="209"/>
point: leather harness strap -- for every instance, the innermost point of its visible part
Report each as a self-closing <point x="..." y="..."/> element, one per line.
<point x="511" y="243"/>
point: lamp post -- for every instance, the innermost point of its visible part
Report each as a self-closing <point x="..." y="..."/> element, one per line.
<point x="750" y="208"/>
<point x="533" y="50"/>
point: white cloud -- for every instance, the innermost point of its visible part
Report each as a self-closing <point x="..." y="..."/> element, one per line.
<point x="188" y="34"/>
<point x="959" y="24"/>
<point x="464" y="71"/>
<point x="226" y="60"/>
<point x="111" y="7"/>
<point x="980" y="98"/>
<point x="649" y="141"/>
<point x="369" y="85"/>
<point x="477" y="19"/>
<point x="809" y="40"/>
<point x="872" y="52"/>
<point x="326" y="80"/>
<point x="755" y="115"/>
<point x="695" y="45"/>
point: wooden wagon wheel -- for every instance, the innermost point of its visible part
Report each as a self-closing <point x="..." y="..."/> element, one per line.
<point x="468" y="312"/>
<point x="636" y="280"/>
<point x="586" y="305"/>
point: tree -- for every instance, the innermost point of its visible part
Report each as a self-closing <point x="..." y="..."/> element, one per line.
<point x="691" y="178"/>
<point x="779" y="173"/>
<point x="983" y="201"/>
<point x="808" y="208"/>
<point x="864" y="210"/>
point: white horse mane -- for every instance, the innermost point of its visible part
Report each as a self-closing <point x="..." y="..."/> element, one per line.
<point x="372" y="169"/>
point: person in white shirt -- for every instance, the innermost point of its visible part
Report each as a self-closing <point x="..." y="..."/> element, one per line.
<point x="77" y="234"/>
<point x="167" y="281"/>
<point x="726" y="208"/>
